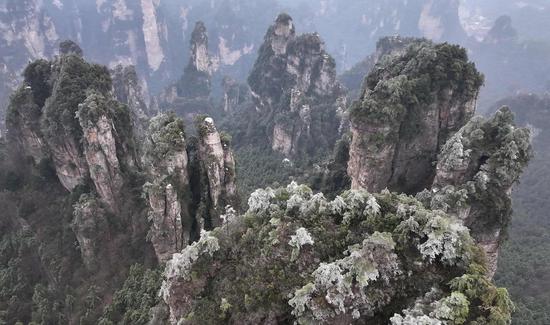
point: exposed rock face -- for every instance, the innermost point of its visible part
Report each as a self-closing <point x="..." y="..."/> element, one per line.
<point x="234" y="94"/>
<point x="130" y="90"/>
<point x="168" y="191"/>
<point x="190" y="184"/>
<point x="412" y="103"/>
<point x="100" y="148"/>
<point x="196" y="80"/>
<point x="293" y="83"/>
<point x="218" y="163"/>
<point x="475" y="173"/>
<point x="91" y="228"/>
<point x="296" y="256"/>
<point x="64" y="112"/>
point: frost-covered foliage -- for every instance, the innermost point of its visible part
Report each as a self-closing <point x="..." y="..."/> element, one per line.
<point x="301" y="238"/>
<point x="344" y="284"/>
<point x="440" y="237"/>
<point x="476" y="169"/>
<point x="165" y="135"/>
<point x="182" y="262"/>
<point x="360" y="255"/>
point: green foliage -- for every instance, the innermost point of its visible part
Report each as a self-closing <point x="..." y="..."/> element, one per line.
<point x="37" y="76"/>
<point x="166" y="134"/>
<point x="76" y="78"/>
<point x="131" y="304"/>
<point x="403" y="84"/>
<point x="360" y="255"/>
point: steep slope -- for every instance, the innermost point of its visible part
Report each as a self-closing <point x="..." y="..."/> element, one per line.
<point x="411" y="104"/>
<point x="75" y="191"/>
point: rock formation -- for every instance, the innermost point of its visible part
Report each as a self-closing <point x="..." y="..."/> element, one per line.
<point x="190" y="95"/>
<point x="403" y="139"/>
<point x="196" y="79"/>
<point x="476" y="170"/>
<point x="189" y="187"/>
<point x="412" y="103"/>
<point x="130" y="90"/>
<point x="295" y="90"/>
<point x="166" y="161"/>
<point x="296" y="256"/>
<point x="64" y="113"/>
<point x="218" y="164"/>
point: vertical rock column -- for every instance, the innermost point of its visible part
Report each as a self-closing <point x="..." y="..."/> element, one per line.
<point x="412" y="103"/>
<point x="475" y="173"/>
<point x="168" y="190"/>
<point x="218" y="164"/>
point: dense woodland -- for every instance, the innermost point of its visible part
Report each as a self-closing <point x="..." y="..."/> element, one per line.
<point x="224" y="200"/>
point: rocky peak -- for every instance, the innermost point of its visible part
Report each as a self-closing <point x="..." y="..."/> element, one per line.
<point x="65" y="112"/>
<point x="476" y="170"/>
<point x="70" y="47"/>
<point x="199" y="48"/>
<point x="196" y="79"/>
<point x="502" y="31"/>
<point x="293" y="82"/>
<point x="189" y="184"/>
<point x="412" y="103"/>
<point x="280" y="33"/>
<point x="166" y="162"/>
<point x="218" y="164"/>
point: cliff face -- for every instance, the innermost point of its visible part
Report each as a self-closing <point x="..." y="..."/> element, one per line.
<point x="295" y="90"/>
<point x="412" y="103"/>
<point x="218" y="164"/>
<point x="189" y="186"/>
<point x="476" y="170"/>
<point x="166" y="162"/>
<point x="63" y="113"/>
<point x="413" y="132"/>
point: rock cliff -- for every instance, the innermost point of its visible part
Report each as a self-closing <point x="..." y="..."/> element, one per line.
<point x="190" y="183"/>
<point x="130" y="90"/>
<point x="218" y="165"/>
<point x="476" y="170"/>
<point x="412" y="103"/>
<point x="166" y="161"/>
<point x="360" y="258"/>
<point x="196" y="79"/>
<point x="295" y="90"/>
